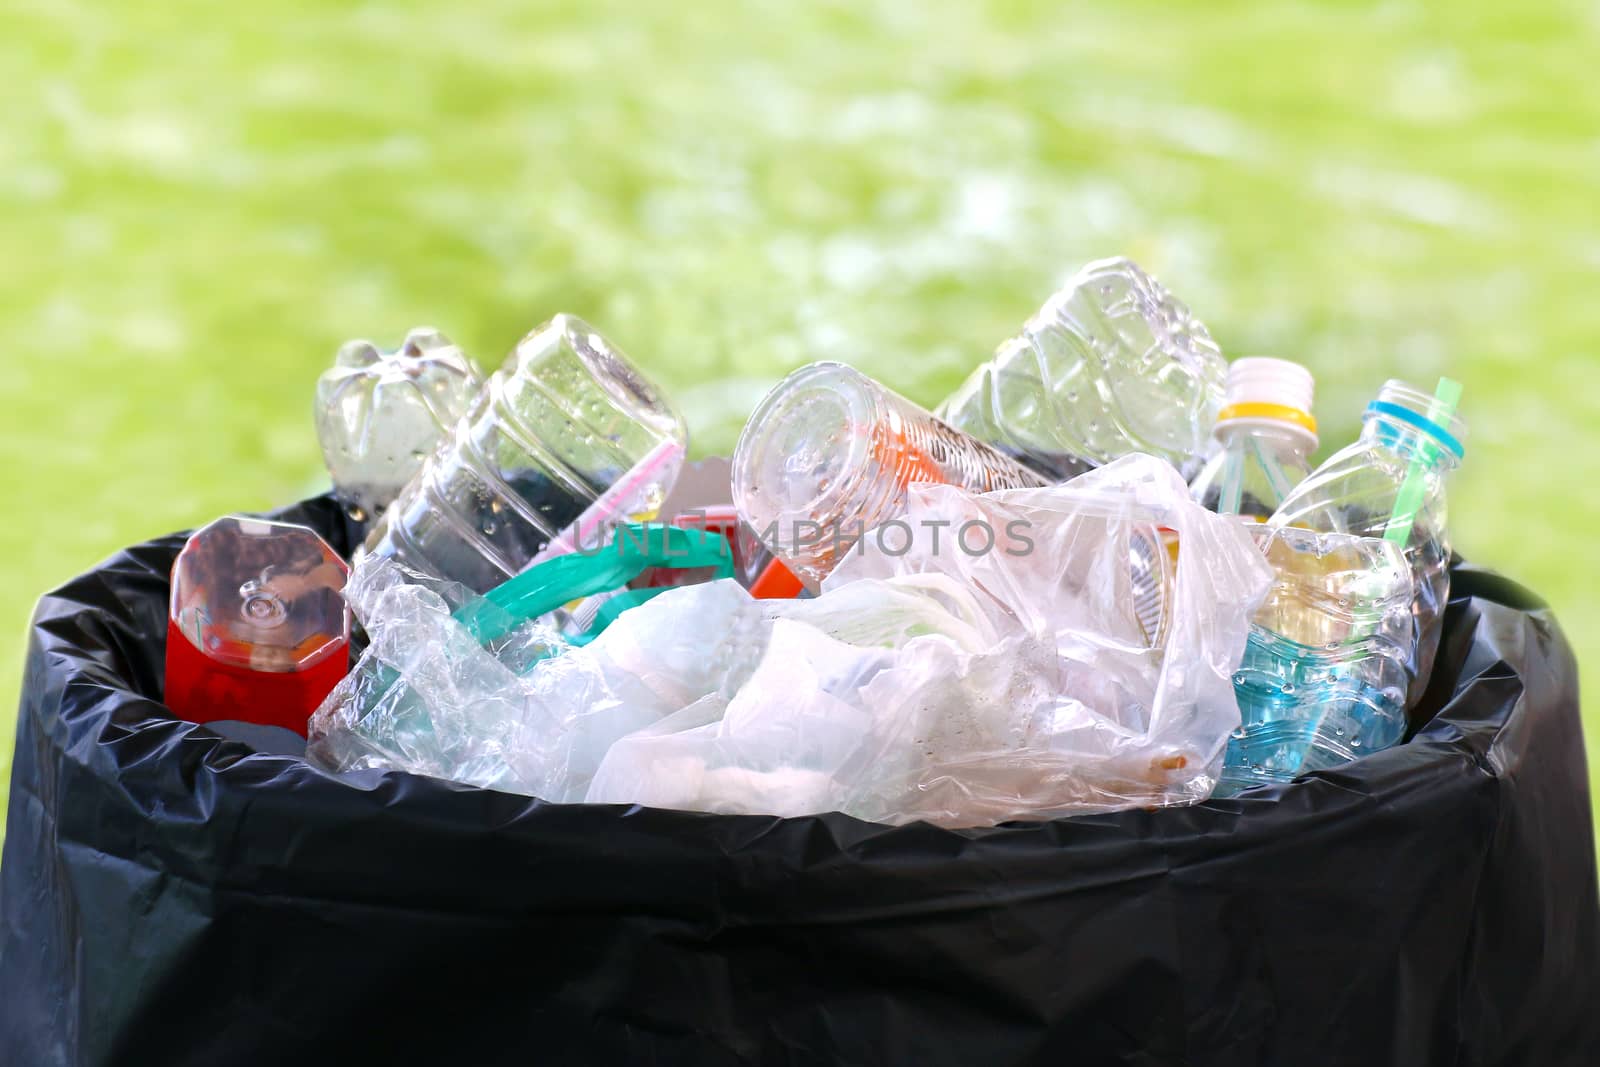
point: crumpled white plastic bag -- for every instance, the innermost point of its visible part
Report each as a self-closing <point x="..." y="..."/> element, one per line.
<point x="1058" y="697"/>
<point x="426" y="697"/>
<point x="1037" y="677"/>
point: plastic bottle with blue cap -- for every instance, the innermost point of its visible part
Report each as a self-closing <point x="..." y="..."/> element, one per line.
<point x="1390" y="484"/>
<point x="1267" y="434"/>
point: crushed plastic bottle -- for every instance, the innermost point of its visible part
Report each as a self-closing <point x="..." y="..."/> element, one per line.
<point x="256" y="631"/>
<point x="561" y="423"/>
<point x="1111" y="364"/>
<point x="1326" y="667"/>
<point x="379" y="415"/>
<point x="829" y="454"/>
<point x="1391" y="484"/>
<point x="1267" y="431"/>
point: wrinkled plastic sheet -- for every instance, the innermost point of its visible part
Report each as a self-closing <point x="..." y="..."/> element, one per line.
<point x="168" y="897"/>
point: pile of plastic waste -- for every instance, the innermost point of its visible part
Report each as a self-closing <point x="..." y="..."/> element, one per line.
<point x="1101" y="574"/>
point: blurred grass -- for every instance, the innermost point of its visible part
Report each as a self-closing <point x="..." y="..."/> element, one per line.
<point x="198" y="203"/>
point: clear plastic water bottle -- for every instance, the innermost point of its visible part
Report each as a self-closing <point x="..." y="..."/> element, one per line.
<point x="1390" y="484"/>
<point x="1327" y="664"/>
<point x="1111" y="364"/>
<point x="1266" y="431"/>
<point x="829" y="454"/>
<point x="379" y="415"/>
<point x="554" y="429"/>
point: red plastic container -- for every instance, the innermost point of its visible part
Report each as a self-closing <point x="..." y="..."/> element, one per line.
<point x="256" y="630"/>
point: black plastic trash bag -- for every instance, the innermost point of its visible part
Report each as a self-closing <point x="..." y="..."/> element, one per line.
<point x="170" y="897"/>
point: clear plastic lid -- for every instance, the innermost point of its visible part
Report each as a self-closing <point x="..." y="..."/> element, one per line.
<point x="260" y="595"/>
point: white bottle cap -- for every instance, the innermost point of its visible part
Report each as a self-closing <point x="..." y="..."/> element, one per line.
<point x="1261" y="389"/>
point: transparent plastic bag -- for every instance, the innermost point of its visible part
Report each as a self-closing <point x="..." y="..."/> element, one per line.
<point x="483" y="690"/>
<point x="966" y="682"/>
<point x="1070" y="667"/>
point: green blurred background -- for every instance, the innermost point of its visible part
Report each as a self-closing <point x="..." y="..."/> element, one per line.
<point x="199" y="202"/>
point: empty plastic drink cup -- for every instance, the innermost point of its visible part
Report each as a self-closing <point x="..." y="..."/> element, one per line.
<point x="1112" y="364"/>
<point x="830" y="453"/>
<point x="257" y="631"/>
<point x="560" y="424"/>
<point x="379" y="415"/>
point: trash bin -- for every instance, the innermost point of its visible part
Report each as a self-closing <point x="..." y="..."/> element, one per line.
<point x="171" y="897"/>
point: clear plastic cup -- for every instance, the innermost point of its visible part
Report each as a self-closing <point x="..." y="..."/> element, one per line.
<point x="829" y="454"/>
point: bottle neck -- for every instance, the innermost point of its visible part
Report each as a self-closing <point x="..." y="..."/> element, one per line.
<point x="1411" y="443"/>
<point x="1283" y="439"/>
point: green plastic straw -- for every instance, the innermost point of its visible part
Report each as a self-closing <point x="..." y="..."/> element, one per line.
<point x="1409" y="500"/>
<point x="1281" y="485"/>
<point x="1232" y="488"/>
